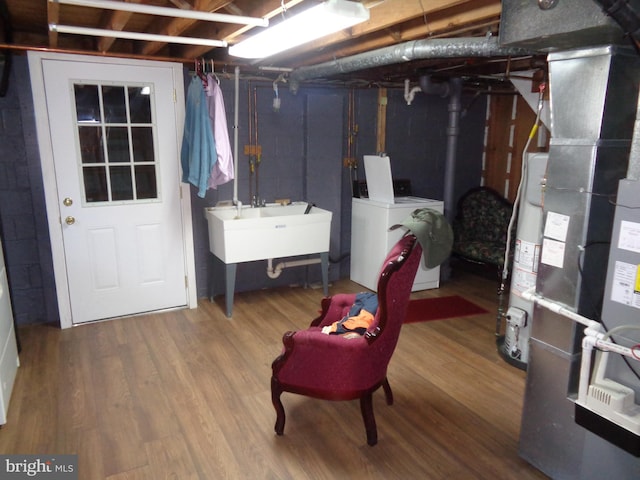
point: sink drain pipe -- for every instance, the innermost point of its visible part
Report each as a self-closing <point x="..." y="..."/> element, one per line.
<point x="275" y="272"/>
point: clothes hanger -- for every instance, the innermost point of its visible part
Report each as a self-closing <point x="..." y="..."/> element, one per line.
<point x="213" y="72"/>
<point x="200" y="73"/>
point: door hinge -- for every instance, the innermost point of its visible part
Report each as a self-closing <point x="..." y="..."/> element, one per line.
<point x="186" y="282"/>
<point x="175" y="96"/>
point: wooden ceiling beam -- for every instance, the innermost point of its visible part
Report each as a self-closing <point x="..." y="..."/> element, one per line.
<point x="385" y="15"/>
<point x="114" y="20"/>
<point x="446" y="22"/>
<point x="177" y="26"/>
<point x="53" y="17"/>
<point x="266" y="9"/>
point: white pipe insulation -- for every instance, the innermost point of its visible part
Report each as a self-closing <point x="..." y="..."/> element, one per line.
<point x="275" y="272"/>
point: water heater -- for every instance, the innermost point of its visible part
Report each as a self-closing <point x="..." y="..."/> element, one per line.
<point x="515" y="348"/>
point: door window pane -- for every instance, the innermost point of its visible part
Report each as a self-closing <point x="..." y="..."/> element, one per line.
<point x="121" y="184"/>
<point x="146" y="181"/>
<point x="140" y="104"/>
<point x="87" y="103"/>
<point x="142" y="138"/>
<point x="116" y="142"/>
<point x="95" y="184"/>
<point x="115" y="110"/>
<point x="91" y="144"/>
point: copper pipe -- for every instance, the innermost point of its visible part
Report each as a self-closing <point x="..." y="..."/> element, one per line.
<point x="133" y="56"/>
<point x="8" y="46"/>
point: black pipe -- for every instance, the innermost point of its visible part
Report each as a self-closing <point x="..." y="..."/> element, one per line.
<point x="624" y="14"/>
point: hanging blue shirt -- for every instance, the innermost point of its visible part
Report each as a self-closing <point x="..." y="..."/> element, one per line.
<point x="198" y="154"/>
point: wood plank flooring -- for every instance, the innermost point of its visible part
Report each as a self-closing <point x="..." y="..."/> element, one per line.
<point x="185" y="395"/>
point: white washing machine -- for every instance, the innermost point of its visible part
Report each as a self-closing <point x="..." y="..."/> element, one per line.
<point x="371" y="239"/>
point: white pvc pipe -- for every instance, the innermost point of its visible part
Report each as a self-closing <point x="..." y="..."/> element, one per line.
<point x="235" y="134"/>
<point x="150" y="37"/>
<point x="409" y="94"/>
<point x="168" y="12"/>
<point x="585" y="368"/>
<point x="275" y="272"/>
<point x="593" y="339"/>
<point x="558" y="308"/>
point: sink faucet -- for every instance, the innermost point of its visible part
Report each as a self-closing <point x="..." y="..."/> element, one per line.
<point x="256" y="202"/>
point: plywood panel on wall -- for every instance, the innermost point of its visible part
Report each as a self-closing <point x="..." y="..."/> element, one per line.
<point x="509" y="123"/>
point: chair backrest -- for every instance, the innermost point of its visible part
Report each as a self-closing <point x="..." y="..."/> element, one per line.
<point x="394" y="289"/>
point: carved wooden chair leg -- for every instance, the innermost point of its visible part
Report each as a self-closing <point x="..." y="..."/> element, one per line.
<point x="388" y="394"/>
<point x="276" y="391"/>
<point x="366" y="407"/>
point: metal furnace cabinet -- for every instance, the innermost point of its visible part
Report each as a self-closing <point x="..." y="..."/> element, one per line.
<point x="371" y="239"/>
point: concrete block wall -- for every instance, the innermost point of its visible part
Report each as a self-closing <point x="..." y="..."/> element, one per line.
<point x="303" y="146"/>
<point x="22" y="211"/>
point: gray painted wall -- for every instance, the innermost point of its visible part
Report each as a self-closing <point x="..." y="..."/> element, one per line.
<point x="303" y="145"/>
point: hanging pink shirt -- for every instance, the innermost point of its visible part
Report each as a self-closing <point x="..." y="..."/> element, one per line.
<point x="222" y="171"/>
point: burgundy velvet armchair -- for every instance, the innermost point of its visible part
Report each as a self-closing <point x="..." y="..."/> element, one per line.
<point x="334" y="367"/>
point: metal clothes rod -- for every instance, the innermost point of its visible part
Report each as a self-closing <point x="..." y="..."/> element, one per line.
<point x="150" y="37"/>
<point x="167" y="12"/>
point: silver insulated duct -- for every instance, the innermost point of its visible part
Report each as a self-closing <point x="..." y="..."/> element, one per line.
<point x="405" y="52"/>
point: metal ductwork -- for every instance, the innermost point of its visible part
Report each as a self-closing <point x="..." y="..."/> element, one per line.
<point x="593" y="80"/>
<point x="437" y="48"/>
<point x="594" y="95"/>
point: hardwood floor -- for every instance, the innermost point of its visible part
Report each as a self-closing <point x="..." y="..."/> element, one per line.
<point x="185" y="395"/>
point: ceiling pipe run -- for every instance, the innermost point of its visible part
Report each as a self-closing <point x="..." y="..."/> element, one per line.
<point x="405" y="52"/>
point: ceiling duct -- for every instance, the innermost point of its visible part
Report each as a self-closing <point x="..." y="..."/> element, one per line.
<point x="435" y="48"/>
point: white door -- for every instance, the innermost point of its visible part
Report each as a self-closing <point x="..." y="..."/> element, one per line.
<point x="113" y="133"/>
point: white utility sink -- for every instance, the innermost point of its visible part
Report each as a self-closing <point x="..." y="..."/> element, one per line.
<point x="266" y="233"/>
<point x="273" y="231"/>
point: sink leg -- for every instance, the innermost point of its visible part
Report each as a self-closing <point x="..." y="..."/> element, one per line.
<point x="324" y="265"/>
<point x="230" y="284"/>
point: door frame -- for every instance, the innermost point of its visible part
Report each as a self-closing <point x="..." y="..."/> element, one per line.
<point x="54" y="215"/>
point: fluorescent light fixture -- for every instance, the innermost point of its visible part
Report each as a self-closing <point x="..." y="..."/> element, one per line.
<point x="316" y="22"/>
<point x="148" y="37"/>
<point x="166" y="11"/>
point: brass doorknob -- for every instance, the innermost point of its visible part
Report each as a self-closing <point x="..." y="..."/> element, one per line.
<point x="70" y="220"/>
<point x="67" y="202"/>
